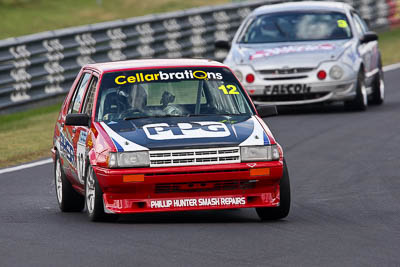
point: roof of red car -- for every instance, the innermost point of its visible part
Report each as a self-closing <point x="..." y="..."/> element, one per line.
<point x="149" y="63"/>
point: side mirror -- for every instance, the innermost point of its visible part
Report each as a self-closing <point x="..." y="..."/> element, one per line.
<point x="266" y="110"/>
<point x="369" y="37"/>
<point x="222" y="44"/>
<point x="77" y="119"/>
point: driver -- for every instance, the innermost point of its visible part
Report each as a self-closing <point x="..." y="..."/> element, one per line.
<point x="166" y="100"/>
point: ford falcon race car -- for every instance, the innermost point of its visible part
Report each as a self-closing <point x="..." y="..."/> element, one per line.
<point x="165" y="135"/>
<point x="307" y="52"/>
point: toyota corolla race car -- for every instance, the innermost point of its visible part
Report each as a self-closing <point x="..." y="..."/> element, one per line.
<point x="165" y="135"/>
<point x="307" y="52"/>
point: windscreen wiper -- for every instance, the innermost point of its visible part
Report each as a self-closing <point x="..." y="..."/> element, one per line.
<point x="154" y="116"/>
<point x="217" y="114"/>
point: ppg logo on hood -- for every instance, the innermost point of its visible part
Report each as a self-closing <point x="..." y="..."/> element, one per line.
<point x="202" y="129"/>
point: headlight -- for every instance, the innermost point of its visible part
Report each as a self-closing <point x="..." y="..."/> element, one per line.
<point x="129" y="159"/>
<point x="336" y="72"/>
<point x="239" y="75"/>
<point x="259" y="153"/>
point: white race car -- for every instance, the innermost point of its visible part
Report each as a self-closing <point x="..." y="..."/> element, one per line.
<point x="307" y="52"/>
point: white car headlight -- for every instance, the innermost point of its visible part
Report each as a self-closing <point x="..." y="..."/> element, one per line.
<point x="129" y="159"/>
<point x="239" y="75"/>
<point x="336" y="72"/>
<point x="259" y="153"/>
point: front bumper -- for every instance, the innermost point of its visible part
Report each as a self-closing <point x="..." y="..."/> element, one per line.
<point x="298" y="85"/>
<point x="278" y="94"/>
<point x="223" y="186"/>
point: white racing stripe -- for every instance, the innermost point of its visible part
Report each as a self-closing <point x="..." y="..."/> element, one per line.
<point x="26" y="166"/>
<point x="46" y="161"/>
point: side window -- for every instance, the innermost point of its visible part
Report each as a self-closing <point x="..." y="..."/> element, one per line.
<point x="361" y="26"/>
<point x="78" y="94"/>
<point x="88" y="103"/>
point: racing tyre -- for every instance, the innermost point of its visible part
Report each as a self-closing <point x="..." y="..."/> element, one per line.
<point x="378" y="89"/>
<point x="361" y="101"/>
<point x="68" y="199"/>
<point x="283" y="210"/>
<point x="94" y="199"/>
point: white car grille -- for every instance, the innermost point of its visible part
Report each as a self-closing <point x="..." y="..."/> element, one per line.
<point x="201" y="156"/>
<point x="285" y="74"/>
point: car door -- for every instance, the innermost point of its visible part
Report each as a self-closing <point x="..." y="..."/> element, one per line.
<point x="81" y="132"/>
<point x="68" y="133"/>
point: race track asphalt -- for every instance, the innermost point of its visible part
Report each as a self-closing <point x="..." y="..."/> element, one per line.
<point x="344" y="170"/>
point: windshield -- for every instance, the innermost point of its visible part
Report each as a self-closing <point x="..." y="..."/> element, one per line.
<point x="297" y="26"/>
<point x="169" y="92"/>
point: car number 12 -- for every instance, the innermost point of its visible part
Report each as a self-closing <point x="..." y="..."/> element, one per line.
<point x="232" y="89"/>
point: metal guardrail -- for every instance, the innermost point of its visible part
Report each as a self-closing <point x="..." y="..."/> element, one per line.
<point x="44" y="65"/>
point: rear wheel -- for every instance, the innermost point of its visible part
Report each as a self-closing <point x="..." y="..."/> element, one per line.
<point x="94" y="199"/>
<point x="68" y="199"/>
<point x="282" y="211"/>
<point x="361" y="101"/>
<point x="378" y="89"/>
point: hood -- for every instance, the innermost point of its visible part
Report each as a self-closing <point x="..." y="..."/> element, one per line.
<point x="297" y="54"/>
<point x="185" y="132"/>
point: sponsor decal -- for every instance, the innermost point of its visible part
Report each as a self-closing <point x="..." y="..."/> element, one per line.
<point x="203" y="129"/>
<point x="342" y="23"/>
<point x="81" y="155"/>
<point x="290" y="50"/>
<point x="164" y="76"/>
<point x="287" y="89"/>
<point x="198" y="202"/>
<point x="66" y="148"/>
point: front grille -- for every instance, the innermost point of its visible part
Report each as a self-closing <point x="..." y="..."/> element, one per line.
<point x="279" y="78"/>
<point x="244" y="172"/>
<point x="284" y="71"/>
<point x="204" y="186"/>
<point x="201" y="156"/>
<point x="289" y="97"/>
<point x="284" y="74"/>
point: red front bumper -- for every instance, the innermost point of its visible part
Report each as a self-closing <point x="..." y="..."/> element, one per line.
<point x="221" y="186"/>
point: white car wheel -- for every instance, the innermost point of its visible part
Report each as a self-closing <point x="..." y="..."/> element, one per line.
<point x="58" y="181"/>
<point x="364" y="95"/>
<point x="90" y="192"/>
<point x="378" y="89"/>
<point x="68" y="199"/>
<point x="360" y="102"/>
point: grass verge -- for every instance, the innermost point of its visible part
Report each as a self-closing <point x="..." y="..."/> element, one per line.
<point x="389" y="43"/>
<point x="27" y="135"/>
<point x="20" y="17"/>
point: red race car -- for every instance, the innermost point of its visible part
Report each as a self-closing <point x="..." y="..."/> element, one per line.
<point x="165" y="135"/>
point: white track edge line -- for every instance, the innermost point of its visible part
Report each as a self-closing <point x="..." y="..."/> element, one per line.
<point x="26" y="166"/>
<point x="46" y="161"/>
<point x="391" y="67"/>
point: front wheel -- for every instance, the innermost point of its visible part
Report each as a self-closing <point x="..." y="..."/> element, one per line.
<point x="378" y="89"/>
<point x="94" y="199"/>
<point x="68" y="199"/>
<point x="282" y="211"/>
<point x="360" y="102"/>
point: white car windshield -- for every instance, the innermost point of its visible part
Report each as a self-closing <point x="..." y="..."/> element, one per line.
<point x="297" y="26"/>
<point x="170" y="92"/>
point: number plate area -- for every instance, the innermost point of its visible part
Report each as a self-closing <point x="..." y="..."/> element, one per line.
<point x="287" y="89"/>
